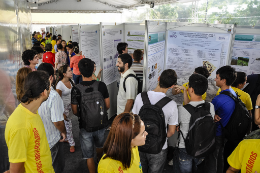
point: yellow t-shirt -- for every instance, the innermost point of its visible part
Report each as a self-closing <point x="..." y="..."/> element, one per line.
<point x="109" y="165"/>
<point x="43" y="44"/>
<point x="27" y="142"/>
<point x="53" y="42"/>
<point x="245" y="97"/>
<point x="246" y="156"/>
<point x="186" y="85"/>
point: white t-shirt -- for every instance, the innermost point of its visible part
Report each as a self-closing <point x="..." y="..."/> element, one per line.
<point x="170" y="110"/>
<point x="131" y="85"/>
<point x="66" y="92"/>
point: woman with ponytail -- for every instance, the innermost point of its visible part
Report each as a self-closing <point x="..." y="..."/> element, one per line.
<point x="64" y="87"/>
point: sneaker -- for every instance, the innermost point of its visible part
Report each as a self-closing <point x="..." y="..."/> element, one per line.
<point x="170" y="162"/>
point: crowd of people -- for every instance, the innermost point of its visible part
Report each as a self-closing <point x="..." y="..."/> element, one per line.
<point x="58" y="82"/>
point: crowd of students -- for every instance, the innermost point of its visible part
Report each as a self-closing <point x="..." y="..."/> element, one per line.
<point x="65" y="83"/>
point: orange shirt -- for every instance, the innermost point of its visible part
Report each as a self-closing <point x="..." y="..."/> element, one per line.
<point x="74" y="64"/>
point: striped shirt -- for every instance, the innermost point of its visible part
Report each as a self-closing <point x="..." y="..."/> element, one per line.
<point x="138" y="69"/>
<point x="52" y="111"/>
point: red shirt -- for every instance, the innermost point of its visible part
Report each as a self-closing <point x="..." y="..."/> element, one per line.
<point x="49" y="57"/>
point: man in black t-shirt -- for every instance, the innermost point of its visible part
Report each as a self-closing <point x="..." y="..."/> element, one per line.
<point x="89" y="140"/>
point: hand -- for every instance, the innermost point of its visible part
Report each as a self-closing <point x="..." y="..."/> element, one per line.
<point x="70" y="51"/>
<point x="80" y="52"/>
<point x="100" y="71"/>
<point x="63" y="135"/>
<point x="65" y="117"/>
<point x="179" y="88"/>
<point x="7" y="171"/>
<point x="178" y="128"/>
<point x="217" y="118"/>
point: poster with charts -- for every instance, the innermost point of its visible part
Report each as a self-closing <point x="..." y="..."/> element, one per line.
<point x="90" y="45"/>
<point x="75" y="35"/>
<point x="110" y="39"/>
<point x="155" y="59"/>
<point x="246" y="54"/>
<point x="188" y="50"/>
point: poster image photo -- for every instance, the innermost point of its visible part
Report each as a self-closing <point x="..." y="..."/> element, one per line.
<point x="241" y="61"/>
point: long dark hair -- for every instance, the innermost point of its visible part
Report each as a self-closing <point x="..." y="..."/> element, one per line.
<point x="63" y="69"/>
<point x="35" y="83"/>
<point x="125" y="127"/>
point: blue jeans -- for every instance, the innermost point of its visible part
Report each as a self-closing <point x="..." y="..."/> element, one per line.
<point x="4" y="160"/>
<point x="77" y="79"/>
<point x="58" y="160"/>
<point x="153" y="163"/>
<point x="88" y="141"/>
<point x="187" y="162"/>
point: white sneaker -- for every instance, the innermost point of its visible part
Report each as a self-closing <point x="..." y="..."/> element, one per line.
<point x="170" y="162"/>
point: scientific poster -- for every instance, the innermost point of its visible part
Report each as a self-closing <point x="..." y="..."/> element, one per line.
<point x="246" y="54"/>
<point x="75" y="35"/>
<point x="110" y="39"/>
<point x="155" y="61"/>
<point x="188" y="50"/>
<point x="135" y="40"/>
<point x="90" y="45"/>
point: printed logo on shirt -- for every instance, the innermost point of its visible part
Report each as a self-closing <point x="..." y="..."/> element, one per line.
<point x="37" y="150"/>
<point x="46" y="57"/>
<point x="140" y="166"/>
<point x="120" y="170"/>
<point x="251" y="162"/>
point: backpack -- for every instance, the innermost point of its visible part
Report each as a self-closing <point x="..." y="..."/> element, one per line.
<point x="140" y="83"/>
<point x="93" y="114"/>
<point x="200" y="140"/>
<point x="240" y="121"/>
<point x="154" y="121"/>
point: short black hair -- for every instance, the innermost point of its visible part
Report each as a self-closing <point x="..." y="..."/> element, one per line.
<point x="227" y="72"/>
<point x="70" y="46"/>
<point x="241" y="78"/>
<point x="168" y="78"/>
<point x="50" y="33"/>
<point x="35" y="83"/>
<point x="33" y="34"/>
<point x="202" y="70"/>
<point x="126" y="58"/>
<point x="86" y="67"/>
<point x="75" y="44"/>
<point x="37" y="43"/>
<point x="28" y="55"/>
<point x="199" y="83"/>
<point x="48" y="36"/>
<point x="43" y="40"/>
<point x="138" y="54"/>
<point x="48" y="47"/>
<point x="47" y="68"/>
<point x="59" y="46"/>
<point x="70" y="42"/>
<point x="59" y="35"/>
<point x="54" y="37"/>
<point x="121" y="46"/>
<point x="37" y="49"/>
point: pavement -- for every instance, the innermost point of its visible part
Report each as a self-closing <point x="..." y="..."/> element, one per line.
<point x="74" y="162"/>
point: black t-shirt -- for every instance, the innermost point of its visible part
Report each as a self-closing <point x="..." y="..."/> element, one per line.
<point x="75" y="93"/>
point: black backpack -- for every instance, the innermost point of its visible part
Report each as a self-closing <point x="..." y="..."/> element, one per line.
<point x="239" y="123"/>
<point x="92" y="113"/>
<point x="140" y="83"/>
<point x="154" y="121"/>
<point x="200" y="140"/>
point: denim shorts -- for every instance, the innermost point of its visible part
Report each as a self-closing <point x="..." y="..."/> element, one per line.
<point x="90" y="140"/>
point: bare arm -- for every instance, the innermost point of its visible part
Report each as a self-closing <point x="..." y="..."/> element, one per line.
<point x="171" y="130"/>
<point x="185" y="97"/>
<point x="99" y="74"/>
<point x="257" y="111"/>
<point x="129" y="105"/>
<point x="232" y="170"/>
<point x="107" y="103"/>
<point x="60" y="92"/>
<point x="60" y="126"/>
<point x="74" y="109"/>
<point x="17" y="167"/>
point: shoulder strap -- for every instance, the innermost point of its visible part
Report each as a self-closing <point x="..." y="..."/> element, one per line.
<point x="130" y="75"/>
<point x="229" y="94"/>
<point x="190" y="108"/>
<point x="95" y="85"/>
<point x="145" y="98"/>
<point x="164" y="101"/>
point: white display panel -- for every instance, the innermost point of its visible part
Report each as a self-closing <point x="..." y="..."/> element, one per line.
<point x="66" y="32"/>
<point x="246" y="53"/>
<point x="134" y="36"/>
<point x="90" y="41"/>
<point x="75" y="33"/>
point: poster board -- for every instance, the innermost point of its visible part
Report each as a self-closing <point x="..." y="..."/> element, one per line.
<point x="89" y="37"/>
<point x="58" y="30"/>
<point x="155" y="34"/>
<point x="193" y="45"/>
<point x="66" y="32"/>
<point x="75" y="33"/>
<point x="246" y="50"/>
<point x="134" y="36"/>
<point x="110" y="36"/>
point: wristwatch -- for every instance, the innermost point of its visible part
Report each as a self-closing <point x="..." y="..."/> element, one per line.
<point x="257" y="107"/>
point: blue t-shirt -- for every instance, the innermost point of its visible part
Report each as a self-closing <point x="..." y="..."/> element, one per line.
<point x="56" y="48"/>
<point x="224" y="107"/>
<point x="68" y="59"/>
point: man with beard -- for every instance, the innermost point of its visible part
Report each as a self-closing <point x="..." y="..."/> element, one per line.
<point x="126" y="97"/>
<point x="51" y="112"/>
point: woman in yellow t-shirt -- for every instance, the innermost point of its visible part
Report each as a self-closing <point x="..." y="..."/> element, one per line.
<point x="121" y="147"/>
